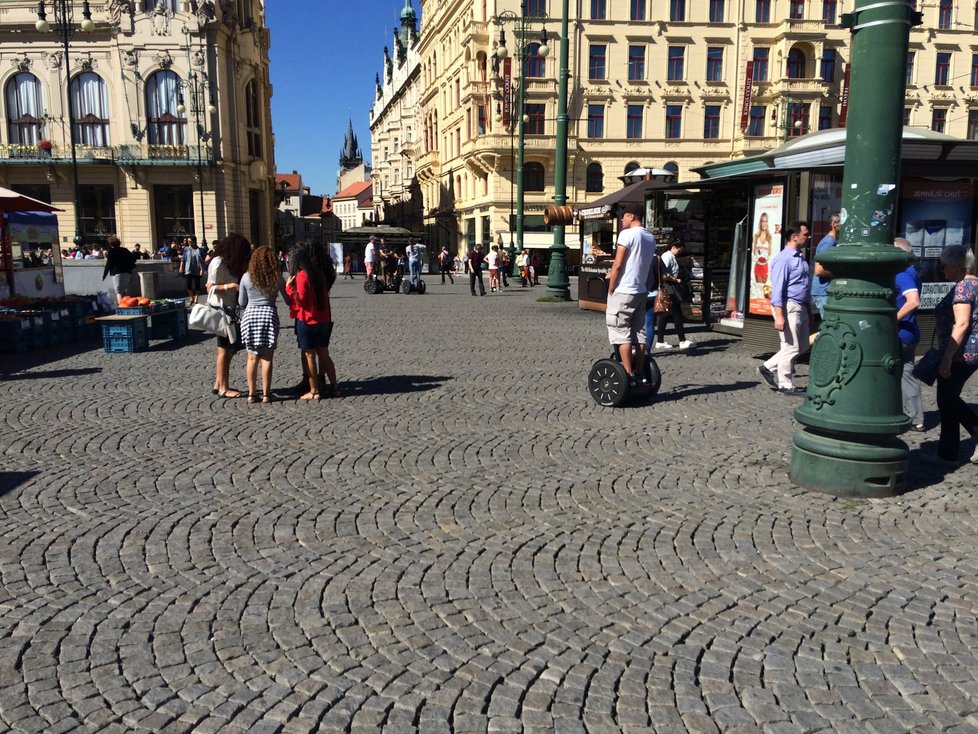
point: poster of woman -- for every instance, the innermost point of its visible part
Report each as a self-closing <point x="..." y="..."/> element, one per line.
<point x="765" y="244"/>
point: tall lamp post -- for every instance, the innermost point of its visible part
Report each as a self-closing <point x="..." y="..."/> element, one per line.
<point x="64" y="12"/>
<point x="521" y="22"/>
<point x="558" y="285"/>
<point x="199" y="83"/>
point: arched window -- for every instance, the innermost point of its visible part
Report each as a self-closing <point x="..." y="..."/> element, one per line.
<point x="533" y="177"/>
<point x="672" y="167"/>
<point x="90" y="110"/>
<point x="150" y="5"/>
<point x="595" y="178"/>
<point x="253" y="119"/>
<point x="24" y="109"/>
<point x="796" y="64"/>
<point x="629" y="167"/>
<point x="536" y="65"/>
<point x="167" y="126"/>
<point x="536" y="7"/>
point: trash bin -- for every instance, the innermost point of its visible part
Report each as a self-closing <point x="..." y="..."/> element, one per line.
<point x="147" y="284"/>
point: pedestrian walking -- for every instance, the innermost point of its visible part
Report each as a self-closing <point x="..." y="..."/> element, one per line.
<point x="523" y="265"/>
<point x="907" y="302"/>
<point x="475" y="270"/>
<point x="347" y="266"/>
<point x="492" y="261"/>
<point x="119" y="263"/>
<point x="445" y="262"/>
<point x="673" y="284"/>
<point x="227" y="266"/>
<point x="792" y="309"/>
<point x="505" y="263"/>
<point x="192" y="266"/>
<point x="628" y="286"/>
<point x="820" y="283"/>
<point x="258" y="296"/>
<point x="309" y="290"/>
<point x="536" y="265"/>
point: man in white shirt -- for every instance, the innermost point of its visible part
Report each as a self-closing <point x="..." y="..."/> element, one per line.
<point x="492" y="260"/>
<point x="628" y="286"/>
<point x="415" y="251"/>
<point x="370" y="257"/>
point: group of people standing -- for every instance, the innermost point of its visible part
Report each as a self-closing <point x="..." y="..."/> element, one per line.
<point x="796" y="296"/>
<point x="252" y="281"/>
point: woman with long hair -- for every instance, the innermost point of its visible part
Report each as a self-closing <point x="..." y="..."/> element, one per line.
<point x="762" y="249"/>
<point x="224" y="272"/>
<point x="258" y="295"/>
<point x="309" y="291"/>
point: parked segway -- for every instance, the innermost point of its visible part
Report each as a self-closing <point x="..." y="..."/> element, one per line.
<point x="608" y="381"/>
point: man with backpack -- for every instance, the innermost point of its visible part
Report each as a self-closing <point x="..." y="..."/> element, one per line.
<point x="445" y="264"/>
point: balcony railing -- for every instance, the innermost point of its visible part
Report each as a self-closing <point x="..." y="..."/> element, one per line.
<point x="143" y="154"/>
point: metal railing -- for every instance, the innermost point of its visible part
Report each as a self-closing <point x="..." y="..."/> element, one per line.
<point x="142" y="153"/>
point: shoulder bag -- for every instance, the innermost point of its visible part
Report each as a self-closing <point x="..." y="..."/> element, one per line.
<point x="212" y="318"/>
<point x="663" y="301"/>
<point x="927" y="366"/>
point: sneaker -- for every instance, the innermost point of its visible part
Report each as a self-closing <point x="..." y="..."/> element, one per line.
<point x="791" y="391"/>
<point x="768" y="377"/>
<point x="663" y="345"/>
<point x="974" y="456"/>
<point x="685" y="344"/>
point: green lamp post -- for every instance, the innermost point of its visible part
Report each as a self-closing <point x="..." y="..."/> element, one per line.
<point x="852" y="412"/>
<point x="558" y="285"/>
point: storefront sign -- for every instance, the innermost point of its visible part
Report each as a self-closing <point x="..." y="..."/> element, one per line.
<point x="748" y="92"/>
<point x="507" y="91"/>
<point x="594" y="212"/>
<point x="765" y="244"/>
<point x="844" y="110"/>
<point x="932" y="293"/>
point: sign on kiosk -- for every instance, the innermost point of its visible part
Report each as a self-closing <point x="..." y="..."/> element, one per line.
<point x="765" y="244"/>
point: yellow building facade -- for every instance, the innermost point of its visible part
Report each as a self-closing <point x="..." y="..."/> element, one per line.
<point x="667" y="84"/>
<point x="168" y="103"/>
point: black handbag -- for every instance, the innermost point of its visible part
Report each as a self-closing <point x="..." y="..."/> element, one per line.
<point x="926" y="368"/>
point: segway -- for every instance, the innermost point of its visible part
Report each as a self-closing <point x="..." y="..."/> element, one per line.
<point x="408" y="287"/>
<point x="609" y="385"/>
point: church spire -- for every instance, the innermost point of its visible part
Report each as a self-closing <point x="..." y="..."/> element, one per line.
<point x="351" y="155"/>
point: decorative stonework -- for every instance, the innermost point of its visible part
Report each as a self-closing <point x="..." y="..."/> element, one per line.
<point x="162" y="16"/>
<point x="54" y="60"/>
<point x="164" y="60"/>
<point x="22" y="63"/>
<point x="130" y="57"/>
<point x="118" y="8"/>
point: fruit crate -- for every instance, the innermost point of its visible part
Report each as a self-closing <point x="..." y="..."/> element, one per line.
<point x="16" y="335"/>
<point x="134" y="311"/>
<point x="169" y="325"/>
<point x="125" y="337"/>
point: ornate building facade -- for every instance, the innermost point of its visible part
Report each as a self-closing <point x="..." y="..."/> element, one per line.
<point x="652" y="84"/>
<point x="394" y="128"/>
<point x="168" y="105"/>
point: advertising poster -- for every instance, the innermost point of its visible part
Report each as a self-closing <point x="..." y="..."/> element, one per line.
<point x="765" y="244"/>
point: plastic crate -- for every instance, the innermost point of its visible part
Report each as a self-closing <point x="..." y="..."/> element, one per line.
<point x="16" y="336"/>
<point x="134" y="311"/>
<point x="125" y="337"/>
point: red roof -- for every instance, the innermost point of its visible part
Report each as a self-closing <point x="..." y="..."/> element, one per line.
<point x="293" y="181"/>
<point x="353" y="191"/>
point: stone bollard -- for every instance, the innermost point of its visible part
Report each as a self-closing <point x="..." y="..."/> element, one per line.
<point x="147" y="283"/>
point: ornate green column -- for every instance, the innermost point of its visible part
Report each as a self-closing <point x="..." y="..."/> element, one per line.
<point x="853" y="410"/>
<point x="558" y="285"/>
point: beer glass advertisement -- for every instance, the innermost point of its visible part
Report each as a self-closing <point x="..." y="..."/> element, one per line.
<point x="765" y="244"/>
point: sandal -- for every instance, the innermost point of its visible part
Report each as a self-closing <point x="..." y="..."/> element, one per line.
<point x="310" y="396"/>
<point x="267" y="397"/>
<point x="252" y="398"/>
<point x="229" y="394"/>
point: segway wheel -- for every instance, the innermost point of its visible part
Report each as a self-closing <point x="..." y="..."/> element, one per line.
<point x="371" y="286"/>
<point x="653" y="375"/>
<point x="608" y="383"/>
<point x="422" y="287"/>
<point x="405" y="287"/>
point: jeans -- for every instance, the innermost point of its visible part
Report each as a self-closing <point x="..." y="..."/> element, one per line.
<point x="446" y="269"/>
<point x="818" y="303"/>
<point x="676" y="312"/>
<point x="473" y="277"/>
<point x="910" y="387"/>
<point x="414" y="266"/>
<point x="794" y="341"/>
<point x="650" y="315"/>
<point x="955" y="413"/>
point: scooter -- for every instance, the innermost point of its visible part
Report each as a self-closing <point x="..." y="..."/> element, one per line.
<point x="609" y="384"/>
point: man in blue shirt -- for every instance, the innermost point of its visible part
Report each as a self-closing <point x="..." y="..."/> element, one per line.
<point x="791" y="293"/>
<point x="820" y="283"/>
<point x="907" y="303"/>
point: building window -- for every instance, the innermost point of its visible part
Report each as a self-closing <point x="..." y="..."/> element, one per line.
<point x="711" y="122"/>
<point x="761" y="56"/>
<point x="594" y="182"/>
<point x="938" y="120"/>
<point x="829" y="9"/>
<point x="150" y="5"/>
<point x="536" y="7"/>
<point x="173" y="208"/>
<point x="631" y="166"/>
<point x="677" y="11"/>
<point x="755" y="122"/>
<point x="716" y="11"/>
<point x="910" y="57"/>
<point x="24" y="109"/>
<point x="976" y="16"/>
<point x="597" y="61"/>
<point x="673" y="168"/>
<point x="90" y="107"/>
<point x="167" y="126"/>
<point x="974" y="70"/>
<point x="762" y="11"/>
<point x="944" y="12"/>
<point x="633" y="122"/>
<point x="96" y="211"/>
<point x="796" y="64"/>
<point x="972" y="124"/>
<point x="253" y="119"/>
<point x="636" y="63"/>
<point x="595" y="121"/>
<point x="533" y="177"/>
<point x="480" y="125"/>
<point x="797" y="119"/>
<point x="828" y="65"/>
<point x="537" y="114"/>
<point x="599" y="9"/>
<point x="824" y="117"/>
<point x="942" y="70"/>
<point x="637" y="10"/>
<point x="714" y="64"/>
<point x="906" y="115"/>
<point x="796" y="9"/>
<point x="675" y="70"/>
<point x="536" y="65"/>
<point x="674" y="121"/>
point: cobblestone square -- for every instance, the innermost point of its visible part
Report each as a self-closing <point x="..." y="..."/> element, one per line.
<point x="464" y="542"/>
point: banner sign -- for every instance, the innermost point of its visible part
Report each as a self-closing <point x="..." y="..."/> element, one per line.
<point x="507" y="90"/>
<point x="748" y="91"/>
<point x="844" y="111"/>
<point x="765" y="244"/>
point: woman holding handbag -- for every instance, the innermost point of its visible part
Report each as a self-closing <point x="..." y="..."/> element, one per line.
<point x="229" y="263"/>
<point x="671" y="283"/>
<point x="956" y="319"/>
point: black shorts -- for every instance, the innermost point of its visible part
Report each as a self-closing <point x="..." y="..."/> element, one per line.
<point x="313" y="336"/>
<point x="193" y="283"/>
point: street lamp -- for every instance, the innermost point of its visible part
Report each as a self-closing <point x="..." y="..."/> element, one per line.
<point x="199" y="84"/>
<point x="63" y="23"/>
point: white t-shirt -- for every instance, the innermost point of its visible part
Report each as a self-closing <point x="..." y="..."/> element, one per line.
<point x="415" y="251"/>
<point x="670" y="264"/>
<point x="370" y="254"/>
<point x="641" y="254"/>
<point x="493" y="260"/>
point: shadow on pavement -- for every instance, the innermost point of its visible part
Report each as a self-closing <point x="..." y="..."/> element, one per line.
<point x="686" y="391"/>
<point x="10" y="480"/>
<point x="53" y="374"/>
<point x="45" y="355"/>
<point x="171" y="345"/>
<point x="392" y="384"/>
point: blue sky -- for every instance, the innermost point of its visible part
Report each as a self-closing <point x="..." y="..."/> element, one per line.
<point x="324" y="56"/>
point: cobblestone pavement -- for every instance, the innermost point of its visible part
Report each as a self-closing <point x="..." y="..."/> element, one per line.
<point x="464" y="542"/>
